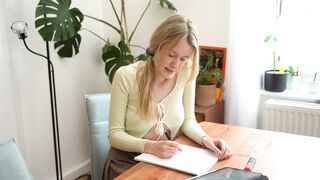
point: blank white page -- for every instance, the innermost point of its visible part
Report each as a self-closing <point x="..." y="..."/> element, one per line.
<point x="191" y="160"/>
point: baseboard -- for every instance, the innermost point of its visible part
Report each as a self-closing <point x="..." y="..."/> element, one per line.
<point x="83" y="168"/>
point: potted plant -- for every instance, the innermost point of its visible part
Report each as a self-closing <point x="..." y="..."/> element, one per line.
<point x="275" y="80"/>
<point x="207" y="80"/>
<point x="56" y="21"/>
<point x="293" y="79"/>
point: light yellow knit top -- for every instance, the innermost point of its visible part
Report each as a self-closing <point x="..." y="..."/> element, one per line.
<point x="126" y="129"/>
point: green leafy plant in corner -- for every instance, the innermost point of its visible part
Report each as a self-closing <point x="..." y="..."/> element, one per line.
<point x="209" y="74"/>
<point x="56" y="21"/>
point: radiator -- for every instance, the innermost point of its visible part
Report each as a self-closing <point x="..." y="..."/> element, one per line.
<point x="292" y="117"/>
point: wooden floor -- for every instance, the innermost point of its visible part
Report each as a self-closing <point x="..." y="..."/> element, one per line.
<point x="83" y="177"/>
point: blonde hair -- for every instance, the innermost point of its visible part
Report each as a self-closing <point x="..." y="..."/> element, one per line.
<point x="169" y="33"/>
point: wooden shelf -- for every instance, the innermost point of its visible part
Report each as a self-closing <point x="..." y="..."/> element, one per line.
<point x="214" y="113"/>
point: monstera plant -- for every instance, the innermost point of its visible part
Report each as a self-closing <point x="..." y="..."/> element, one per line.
<point x="56" y="21"/>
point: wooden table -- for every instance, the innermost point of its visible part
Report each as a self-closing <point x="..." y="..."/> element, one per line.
<point x="279" y="155"/>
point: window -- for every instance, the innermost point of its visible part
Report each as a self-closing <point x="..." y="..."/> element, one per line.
<point x="299" y="35"/>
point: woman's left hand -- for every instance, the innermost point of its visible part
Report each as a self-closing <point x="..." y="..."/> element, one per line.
<point x="219" y="146"/>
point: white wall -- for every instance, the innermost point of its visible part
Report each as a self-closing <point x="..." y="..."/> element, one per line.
<point x="210" y="16"/>
<point x="7" y="109"/>
<point x="25" y="106"/>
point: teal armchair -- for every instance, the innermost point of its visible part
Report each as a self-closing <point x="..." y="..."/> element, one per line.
<point x="98" y="116"/>
<point x="12" y="164"/>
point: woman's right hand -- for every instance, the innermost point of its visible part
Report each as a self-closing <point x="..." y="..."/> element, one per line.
<point x="162" y="149"/>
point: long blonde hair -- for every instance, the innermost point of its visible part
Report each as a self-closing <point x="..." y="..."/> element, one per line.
<point x="168" y="32"/>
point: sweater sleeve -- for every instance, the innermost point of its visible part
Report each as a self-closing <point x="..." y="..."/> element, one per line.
<point x="118" y="137"/>
<point x="190" y="126"/>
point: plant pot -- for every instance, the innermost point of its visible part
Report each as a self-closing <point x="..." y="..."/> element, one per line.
<point x="293" y="82"/>
<point x="275" y="81"/>
<point x="205" y="95"/>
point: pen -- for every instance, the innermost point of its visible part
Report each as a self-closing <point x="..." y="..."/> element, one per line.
<point x="179" y="148"/>
<point x="250" y="164"/>
<point x="168" y="135"/>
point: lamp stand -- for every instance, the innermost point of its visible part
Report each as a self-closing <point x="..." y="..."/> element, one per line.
<point x="54" y="114"/>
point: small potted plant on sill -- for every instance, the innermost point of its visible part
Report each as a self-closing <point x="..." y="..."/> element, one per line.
<point x="294" y="78"/>
<point x="207" y="80"/>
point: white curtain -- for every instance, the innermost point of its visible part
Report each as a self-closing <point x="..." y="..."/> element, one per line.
<point x="12" y="124"/>
<point x="250" y="22"/>
<point x="7" y="103"/>
<point x="299" y="35"/>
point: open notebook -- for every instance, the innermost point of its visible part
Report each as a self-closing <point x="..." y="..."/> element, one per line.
<point x="191" y="160"/>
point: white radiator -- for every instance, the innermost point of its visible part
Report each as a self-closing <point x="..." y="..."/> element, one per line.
<point x="292" y="117"/>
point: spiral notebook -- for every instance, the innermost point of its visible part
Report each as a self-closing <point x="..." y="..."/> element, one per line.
<point x="191" y="160"/>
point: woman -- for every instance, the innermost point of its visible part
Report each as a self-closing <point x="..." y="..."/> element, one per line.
<point x="152" y="100"/>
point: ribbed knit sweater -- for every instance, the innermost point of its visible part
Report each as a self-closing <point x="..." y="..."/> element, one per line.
<point x="126" y="129"/>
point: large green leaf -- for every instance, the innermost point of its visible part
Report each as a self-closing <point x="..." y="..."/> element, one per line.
<point x="168" y="3"/>
<point x="67" y="47"/>
<point x="142" y="56"/>
<point x="56" y="21"/>
<point x="115" y="57"/>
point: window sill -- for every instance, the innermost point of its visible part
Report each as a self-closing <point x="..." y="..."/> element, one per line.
<point x="293" y="95"/>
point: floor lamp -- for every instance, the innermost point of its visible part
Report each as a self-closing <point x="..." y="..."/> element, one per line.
<point x="20" y="28"/>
